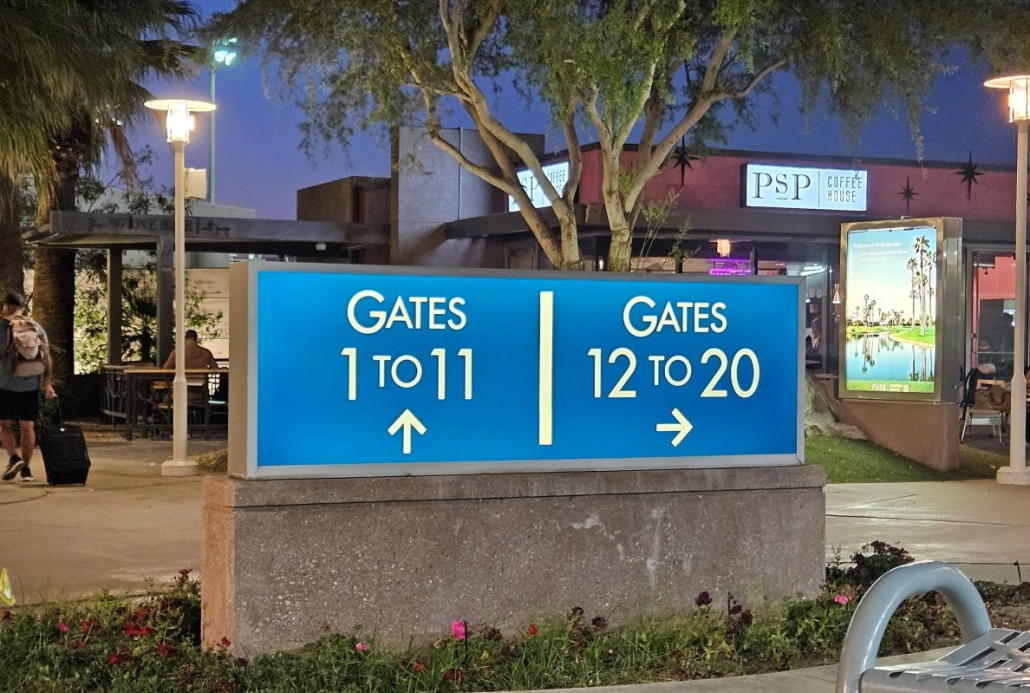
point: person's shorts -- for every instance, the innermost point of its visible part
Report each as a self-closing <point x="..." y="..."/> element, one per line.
<point x="19" y="406"/>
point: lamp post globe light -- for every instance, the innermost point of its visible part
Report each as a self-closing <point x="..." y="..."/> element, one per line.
<point x="179" y="122"/>
<point x="1018" y="87"/>
<point x="224" y="53"/>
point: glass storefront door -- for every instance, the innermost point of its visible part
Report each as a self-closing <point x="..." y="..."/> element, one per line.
<point x="993" y="312"/>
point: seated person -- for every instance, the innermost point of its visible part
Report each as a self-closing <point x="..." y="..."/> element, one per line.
<point x="197" y="357"/>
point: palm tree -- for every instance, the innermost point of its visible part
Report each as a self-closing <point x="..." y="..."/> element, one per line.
<point x="42" y="62"/>
<point x="911" y="266"/>
<point x="922" y="248"/>
<point x="108" y="49"/>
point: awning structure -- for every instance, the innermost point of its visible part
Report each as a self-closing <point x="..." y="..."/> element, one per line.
<point x="309" y="240"/>
<point x="759" y="225"/>
<point x="210" y="234"/>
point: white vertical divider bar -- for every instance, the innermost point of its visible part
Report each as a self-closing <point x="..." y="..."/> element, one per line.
<point x="546" y="414"/>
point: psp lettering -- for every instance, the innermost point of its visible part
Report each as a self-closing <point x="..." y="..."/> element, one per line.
<point x="782" y="186"/>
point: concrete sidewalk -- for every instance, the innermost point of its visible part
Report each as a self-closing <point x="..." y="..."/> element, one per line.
<point x="980" y="526"/>
<point x="127" y="529"/>
<point x="131" y="529"/>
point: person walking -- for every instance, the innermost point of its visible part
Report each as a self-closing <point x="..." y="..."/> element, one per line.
<point x="19" y="395"/>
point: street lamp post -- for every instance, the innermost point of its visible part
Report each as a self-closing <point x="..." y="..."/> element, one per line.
<point x="224" y="53"/>
<point x="1018" y="87"/>
<point x="179" y="123"/>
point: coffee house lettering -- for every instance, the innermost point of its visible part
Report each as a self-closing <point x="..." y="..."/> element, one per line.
<point x="843" y="188"/>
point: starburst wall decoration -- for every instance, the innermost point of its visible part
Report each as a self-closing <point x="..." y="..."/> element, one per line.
<point x="969" y="174"/>
<point x="907" y="194"/>
<point x="682" y="156"/>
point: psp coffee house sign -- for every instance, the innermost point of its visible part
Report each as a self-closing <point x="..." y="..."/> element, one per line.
<point x="387" y="371"/>
<point x="794" y="187"/>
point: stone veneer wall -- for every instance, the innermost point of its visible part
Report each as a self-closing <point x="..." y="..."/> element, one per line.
<point x="285" y="560"/>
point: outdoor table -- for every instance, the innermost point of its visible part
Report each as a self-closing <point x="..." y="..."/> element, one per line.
<point x="148" y="398"/>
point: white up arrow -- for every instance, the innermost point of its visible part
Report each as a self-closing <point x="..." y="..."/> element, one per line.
<point x="682" y="427"/>
<point x="408" y="421"/>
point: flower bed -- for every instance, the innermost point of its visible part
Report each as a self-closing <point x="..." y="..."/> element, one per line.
<point x="111" y="644"/>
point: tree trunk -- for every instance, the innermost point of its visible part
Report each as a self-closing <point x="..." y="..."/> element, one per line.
<point x="12" y="252"/>
<point x="53" y="304"/>
<point x="571" y="257"/>
<point x="620" y="253"/>
<point x="53" y="291"/>
<point x="621" y="250"/>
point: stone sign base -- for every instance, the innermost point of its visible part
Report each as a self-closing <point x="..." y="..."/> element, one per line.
<point x="285" y="561"/>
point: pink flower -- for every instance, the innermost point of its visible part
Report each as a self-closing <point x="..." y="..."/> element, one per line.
<point x="62" y="626"/>
<point x="842" y="599"/>
<point x="361" y="647"/>
<point x="458" y="628"/>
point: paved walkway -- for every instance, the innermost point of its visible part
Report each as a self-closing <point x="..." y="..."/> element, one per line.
<point x="130" y="528"/>
<point x="127" y="527"/>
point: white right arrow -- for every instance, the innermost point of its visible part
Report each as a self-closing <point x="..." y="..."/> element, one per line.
<point x="408" y="421"/>
<point x="682" y="427"/>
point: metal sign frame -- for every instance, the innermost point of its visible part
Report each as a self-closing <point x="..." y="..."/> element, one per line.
<point x="949" y="300"/>
<point x="244" y="395"/>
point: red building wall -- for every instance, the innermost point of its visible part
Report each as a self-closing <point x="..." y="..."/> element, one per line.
<point x="939" y="188"/>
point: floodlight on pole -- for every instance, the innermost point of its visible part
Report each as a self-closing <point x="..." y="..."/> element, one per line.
<point x="1016" y="472"/>
<point x="224" y="53"/>
<point x="179" y="122"/>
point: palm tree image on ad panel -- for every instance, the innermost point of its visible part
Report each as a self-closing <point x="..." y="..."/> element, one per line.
<point x="890" y="311"/>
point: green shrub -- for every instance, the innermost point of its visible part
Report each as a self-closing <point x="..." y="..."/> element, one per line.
<point x="152" y="645"/>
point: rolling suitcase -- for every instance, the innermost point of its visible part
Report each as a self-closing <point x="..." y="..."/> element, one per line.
<point x="65" y="457"/>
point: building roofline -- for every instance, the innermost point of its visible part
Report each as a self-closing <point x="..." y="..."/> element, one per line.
<point x="758" y="156"/>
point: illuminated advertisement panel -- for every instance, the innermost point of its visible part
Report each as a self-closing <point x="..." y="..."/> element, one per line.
<point x="889" y="317"/>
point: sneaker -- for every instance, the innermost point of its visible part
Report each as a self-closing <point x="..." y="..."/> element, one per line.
<point x="13" y="467"/>
<point x="26" y="474"/>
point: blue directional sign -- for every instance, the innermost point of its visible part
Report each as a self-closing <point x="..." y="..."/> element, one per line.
<point x="385" y="371"/>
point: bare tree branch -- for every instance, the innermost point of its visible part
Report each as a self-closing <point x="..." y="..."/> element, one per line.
<point x="645" y="94"/>
<point x="749" y="87"/>
<point x="575" y="156"/>
<point x="486" y="26"/>
<point x="715" y="62"/>
<point x="652" y="163"/>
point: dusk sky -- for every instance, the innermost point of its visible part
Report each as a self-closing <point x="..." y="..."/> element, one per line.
<point x="259" y="164"/>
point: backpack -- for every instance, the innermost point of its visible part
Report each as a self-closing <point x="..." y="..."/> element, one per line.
<point x="26" y="347"/>
<point x="972" y="378"/>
